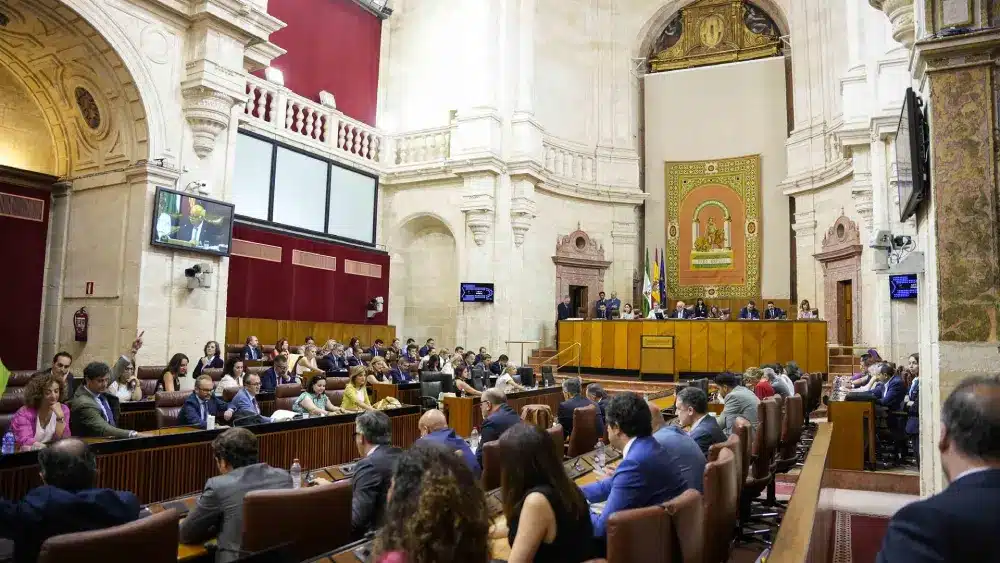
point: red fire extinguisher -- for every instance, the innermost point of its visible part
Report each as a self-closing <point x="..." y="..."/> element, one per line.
<point x="80" y="321"/>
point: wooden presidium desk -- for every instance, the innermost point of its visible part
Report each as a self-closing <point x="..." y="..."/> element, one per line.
<point x="696" y="347"/>
<point x="464" y="413"/>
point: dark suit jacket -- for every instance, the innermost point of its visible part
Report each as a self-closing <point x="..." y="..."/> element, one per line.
<point x="707" y="433"/>
<point x="775" y="314"/>
<point x="220" y="507"/>
<point x="913" y="421"/>
<point x="209" y="234"/>
<point x="685" y="314"/>
<point x="564" y="311"/>
<point x="957" y="525"/>
<point x="565" y="414"/>
<point x="86" y="419"/>
<point x="252" y="353"/>
<point x="216" y="363"/>
<point x="748" y="314"/>
<point x="700" y="311"/>
<point x="493" y="426"/>
<point x="448" y="437"/>
<point x="369" y="485"/>
<point x="496" y="368"/>
<point x="891" y="394"/>
<point x="190" y="414"/>
<point x="269" y="380"/>
<point x="49" y="511"/>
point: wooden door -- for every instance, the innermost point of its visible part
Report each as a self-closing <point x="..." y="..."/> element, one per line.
<point x="579" y="301"/>
<point x="845" y="313"/>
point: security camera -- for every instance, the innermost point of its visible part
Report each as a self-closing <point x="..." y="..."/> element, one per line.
<point x="193" y="271"/>
<point x="881" y="240"/>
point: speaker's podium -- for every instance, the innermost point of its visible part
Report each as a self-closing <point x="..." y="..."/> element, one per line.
<point x="656" y="355"/>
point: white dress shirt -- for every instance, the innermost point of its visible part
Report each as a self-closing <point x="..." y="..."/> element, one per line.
<point x="196" y="232"/>
<point x="626" y="448"/>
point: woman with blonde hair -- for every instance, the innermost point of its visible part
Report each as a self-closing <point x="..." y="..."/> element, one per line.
<point x="307" y="362"/>
<point x="805" y="310"/>
<point x="378" y="371"/>
<point x="356" y="392"/>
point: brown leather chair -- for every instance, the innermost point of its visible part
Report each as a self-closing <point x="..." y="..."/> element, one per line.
<point x="584" y="435"/>
<point x="687" y="518"/>
<point x="816" y="381"/>
<point x="234" y="350"/>
<point x="721" y="507"/>
<point x="640" y="535"/>
<point x="168" y="407"/>
<point x="539" y="415"/>
<point x="802" y="388"/>
<point x="366" y="357"/>
<point x="333" y="383"/>
<point x="336" y="396"/>
<point x="788" y="450"/>
<point x="556" y="433"/>
<point x="734" y="445"/>
<point x="214" y="373"/>
<point x="152" y="539"/>
<point x="766" y="440"/>
<point x="229" y="392"/>
<point x="13" y="397"/>
<point x="491" y="465"/>
<point x="285" y="395"/>
<point x="281" y="516"/>
<point x="149" y="376"/>
<point x="256" y="370"/>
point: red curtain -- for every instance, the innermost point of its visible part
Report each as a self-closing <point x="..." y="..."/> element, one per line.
<point x="269" y="290"/>
<point x="23" y="252"/>
<point x="332" y="45"/>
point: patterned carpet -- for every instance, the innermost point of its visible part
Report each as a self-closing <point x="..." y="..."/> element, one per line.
<point x="858" y="537"/>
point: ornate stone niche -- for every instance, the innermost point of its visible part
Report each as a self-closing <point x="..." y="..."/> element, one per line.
<point x="841" y="260"/>
<point x="579" y="260"/>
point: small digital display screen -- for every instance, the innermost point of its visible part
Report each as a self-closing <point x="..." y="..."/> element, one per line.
<point x="903" y="286"/>
<point x="477" y="293"/>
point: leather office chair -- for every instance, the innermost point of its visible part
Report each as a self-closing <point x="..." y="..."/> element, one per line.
<point x="429" y="393"/>
<point x="687" y="517"/>
<point x="229" y="392"/>
<point x="148" y="378"/>
<point x="234" y="350"/>
<point x="152" y="539"/>
<point x="734" y="445"/>
<point x="802" y="388"/>
<point x="281" y="516"/>
<point x="539" y="415"/>
<point x="556" y="433"/>
<point x="584" y="435"/>
<point x="640" y="535"/>
<point x="788" y="450"/>
<point x="366" y="357"/>
<point x="214" y="373"/>
<point x="333" y="383"/>
<point x="766" y="441"/>
<point x="491" y="465"/>
<point x="168" y="407"/>
<point x="336" y="396"/>
<point x="285" y="395"/>
<point x="815" y="394"/>
<point x="721" y="507"/>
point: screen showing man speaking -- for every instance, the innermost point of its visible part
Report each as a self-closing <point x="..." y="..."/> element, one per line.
<point x="192" y="222"/>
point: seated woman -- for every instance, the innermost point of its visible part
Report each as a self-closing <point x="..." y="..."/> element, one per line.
<point x="627" y="314"/>
<point x="548" y="519"/>
<point x="714" y="313"/>
<point x="125" y="382"/>
<point x="755" y="381"/>
<point x="805" y="311"/>
<point x="42" y="419"/>
<point x="356" y="392"/>
<point x="232" y="376"/>
<point x="433" y="363"/>
<point x="280" y="347"/>
<point x="211" y="359"/>
<point x="506" y="381"/>
<point x="436" y="511"/>
<point x="308" y="361"/>
<point x="700" y="309"/>
<point x="463" y="383"/>
<point x="170" y="379"/>
<point x="449" y="363"/>
<point x="314" y="400"/>
<point x="912" y="405"/>
<point x="378" y="371"/>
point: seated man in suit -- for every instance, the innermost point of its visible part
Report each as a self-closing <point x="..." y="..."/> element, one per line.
<point x="433" y="427"/>
<point x="750" y="312"/>
<point x="597" y="394"/>
<point x="201" y="404"/>
<point x="426" y="348"/>
<point x="646" y="475"/>
<point x="574" y="400"/>
<point x="890" y="391"/>
<point x="65" y="503"/>
<point x="94" y="412"/>
<point x="244" y="404"/>
<point x="220" y="506"/>
<point x="251" y="351"/>
<point x="497" y="418"/>
<point x="196" y="230"/>
<point x="372" y="475"/>
<point x="378" y="348"/>
<point x="60" y="366"/>
<point x="772" y="313"/>
<point x="692" y="412"/>
<point x="680" y="311"/>
<point x="276" y="375"/>
<point x="957" y="524"/>
<point x="656" y="312"/>
<point x="497" y="367"/>
<point x="685" y="452"/>
<point x="738" y="401"/>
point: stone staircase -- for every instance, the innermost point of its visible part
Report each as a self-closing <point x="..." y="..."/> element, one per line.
<point x="539" y="355"/>
<point x="843" y="361"/>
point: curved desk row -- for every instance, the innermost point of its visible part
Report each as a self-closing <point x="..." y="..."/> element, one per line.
<point x="464" y="413"/>
<point x="174" y="462"/>
<point x="690" y="346"/>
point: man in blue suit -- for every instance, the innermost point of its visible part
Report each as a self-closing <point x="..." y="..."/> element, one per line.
<point x="202" y="404"/>
<point x="750" y="312"/>
<point x="574" y="400"/>
<point x="959" y="524"/>
<point x="646" y="474"/>
<point x="497" y="417"/>
<point x="890" y="391"/>
<point x="67" y="501"/>
<point x="244" y="404"/>
<point x="692" y="412"/>
<point x="686" y="453"/>
<point x="433" y="427"/>
<point x="251" y="351"/>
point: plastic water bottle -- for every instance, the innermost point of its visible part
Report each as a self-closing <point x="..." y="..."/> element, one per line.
<point x="296" y="474"/>
<point x="599" y="455"/>
<point x="474" y="440"/>
<point x="8" y="443"/>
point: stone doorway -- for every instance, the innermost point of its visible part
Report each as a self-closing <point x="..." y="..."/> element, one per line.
<point x="580" y="264"/>
<point x="841" y="260"/>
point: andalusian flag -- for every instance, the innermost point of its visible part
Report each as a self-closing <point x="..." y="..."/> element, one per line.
<point x="656" y="277"/>
<point x="4" y="376"/>
<point x="663" y="280"/>
<point x="647" y="288"/>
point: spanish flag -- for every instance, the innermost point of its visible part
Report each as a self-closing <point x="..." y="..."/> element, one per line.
<point x="4" y="376"/>
<point x="656" y="277"/>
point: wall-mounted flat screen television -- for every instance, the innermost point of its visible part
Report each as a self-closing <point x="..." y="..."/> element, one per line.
<point x="476" y="293"/>
<point x="903" y="286"/>
<point x="185" y="221"/>
<point x="912" y="156"/>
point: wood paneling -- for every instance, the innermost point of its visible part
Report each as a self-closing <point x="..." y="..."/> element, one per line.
<point x="699" y="346"/>
<point x="608" y="345"/>
<point x="716" y="347"/>
<point x="621" y="346"/>
<point x="268" y="331"/>
<point x="851" y="420"/>
<point x="768" y="343"/>
<point x="819" y="356"/>
<point x="751" y="344"/>
<point x="682" y="347"/>
<point x="734" y="347"/>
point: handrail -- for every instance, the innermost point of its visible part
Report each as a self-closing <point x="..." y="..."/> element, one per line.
<point x="795" y="533"/>
<point x="559" y="353"/>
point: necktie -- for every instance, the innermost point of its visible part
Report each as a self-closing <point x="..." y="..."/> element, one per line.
<point x="254" y="403"/>
<point x="204" y="411"/>
<point x="105" y="408"/>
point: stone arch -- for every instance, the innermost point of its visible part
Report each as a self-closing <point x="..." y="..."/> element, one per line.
<point x="67" y="55"/>
<point x="425" y="267"/>
<point x="661" y="14"/>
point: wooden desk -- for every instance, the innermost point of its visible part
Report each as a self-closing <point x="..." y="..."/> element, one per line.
<point x="407" y="393"/>
<point x="699" y="346"/>
<point x="851" y="421"/>
<point x="177" y="462"/>
<point x="141" y="415"/>
<point x="464" y="413"/>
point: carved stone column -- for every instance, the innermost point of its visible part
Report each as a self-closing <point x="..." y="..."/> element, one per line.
<point x="479" y="204"/>
<point x="522" y="206"/>
<point x="900" y="14"/>
<point x="805" y="232"/>
<point x="208" y="112"/>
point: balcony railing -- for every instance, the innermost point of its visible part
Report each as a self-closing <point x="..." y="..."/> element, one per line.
<point x="566" y="162"/>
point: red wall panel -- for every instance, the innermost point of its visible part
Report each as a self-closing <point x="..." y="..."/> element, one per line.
<point x="332" y="45"/>
<point x="269" y="290"/>
<point x="23" y="251"/>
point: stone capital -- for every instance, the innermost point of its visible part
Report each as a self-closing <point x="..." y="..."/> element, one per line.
<point x="479" y="204"/>
<point x="522" y="206"/>
<point x="208" y="112"/>
<point x="900" y="14"/>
